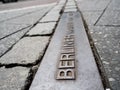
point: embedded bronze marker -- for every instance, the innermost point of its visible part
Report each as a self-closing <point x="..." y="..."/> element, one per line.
<point x="66" y="66"/>
<point x="75" y="68"/>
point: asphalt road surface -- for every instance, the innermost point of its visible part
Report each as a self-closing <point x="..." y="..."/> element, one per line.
<point x="24" y="3"/>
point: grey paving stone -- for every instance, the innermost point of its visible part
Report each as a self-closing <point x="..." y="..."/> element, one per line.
<point x="58" y="7"/>
<point x="92" y="5"/>
<point x="110" y="17"/>
<point x="42" y="29"/>
<point x="62" y="2"/>
<point x="29" y="19"/>
<point x="70" y="7"/>
<point x="13" y="78"/>
<point x="6" y="43"/>
<point x="114" y="5"/>
<point x="107" y="42"/>
<point x="8" y="28"/>
<point x="27" y="50"/>
<point x="51" y="17"/>
<point x="71" y="2"/>
<point x="21" y="12"/>
<point x="91" y="17"/>
<point x="70" y="10"/>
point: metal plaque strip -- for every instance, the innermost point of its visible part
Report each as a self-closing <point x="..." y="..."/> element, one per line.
<point x="78" y="71"/>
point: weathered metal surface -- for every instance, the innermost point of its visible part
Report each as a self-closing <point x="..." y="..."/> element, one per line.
<point x="66" y="67"/>
<point x="82" y="74"/>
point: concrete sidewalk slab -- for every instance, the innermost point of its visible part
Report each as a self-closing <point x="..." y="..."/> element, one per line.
<point x="90" y="15"/>
<point x="8" y="42"/>
<point x="92" y="5"/>
<point x="110" y="18"/>
<point x="42" y="29"/>
<point x="13" y="78"/>
<point x="27" y="51"/>
<point x="106" y="41"/>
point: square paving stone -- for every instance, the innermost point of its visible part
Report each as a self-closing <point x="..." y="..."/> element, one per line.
<point x="42" y="29"/>
<point x="17" y="13"/>
<point x="70" y="10"/>
<point x="8" y="42"/>
<point x="114" y="5"/>
<point x="30" y="18"/>
<point x="13" y="78"/>
<point x="91" y="17"/>
<point x="107" y="42"/>
<point x="8" y="28"/>
<point x="51" y="17"/>
<point x="91" y="5"/>
<point x="69" y="7"/>
<point x="28" y="50"/>
<point x="110" y="17"/>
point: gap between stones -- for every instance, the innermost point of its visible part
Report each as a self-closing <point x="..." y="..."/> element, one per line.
<point x="35" y="68"/>
<point x="15" y="32"/>
<point x="19" y="16"/>
<point x="31" y="26"/>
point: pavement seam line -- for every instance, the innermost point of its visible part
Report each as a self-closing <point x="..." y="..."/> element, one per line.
<point x="14" y="43"/>
<point x="102" y="13"/>
<point x="15" y="32"/>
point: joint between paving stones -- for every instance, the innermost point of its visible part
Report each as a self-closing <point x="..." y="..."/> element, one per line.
<point x="16" y="41"/>
<point x="15" y="32"/>
<point x="109" y="25"/>
<point x="102" y="13"/>
<point x="34" y="66"/>
<point x="33" y="69"/>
